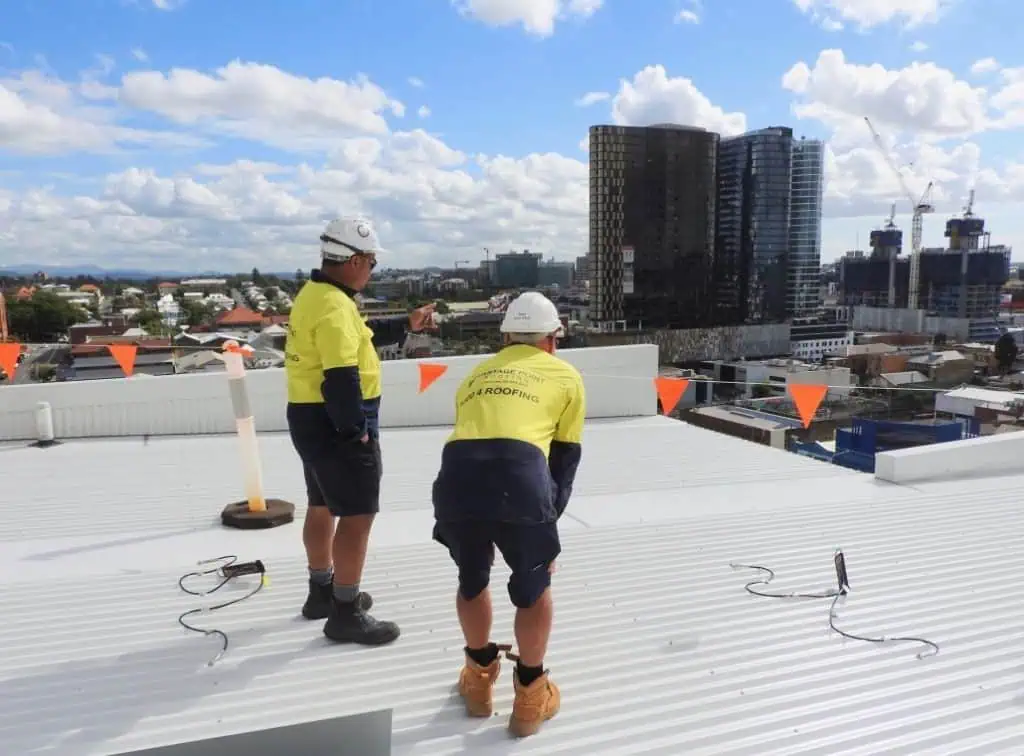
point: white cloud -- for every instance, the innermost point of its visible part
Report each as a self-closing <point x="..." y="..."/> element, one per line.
<point x="652" y="96"/>
<point x="870" y="13"/>
<point x="537" y="17"/>
<point x="139" y="54"/>
<point x="168" y="5"/>
<point x="423" y="112"/>
<point x="921" y="97"/>
<point x="592" y="98"/>
<point x="919" y="46"/>
<point x="40" y="115"/>
<point x="926" y="117"/>
<point x="262" y="102"/>
<point x="689" y="15"/>
<point x="415" y="81"/>
<point x="984" y="66"/>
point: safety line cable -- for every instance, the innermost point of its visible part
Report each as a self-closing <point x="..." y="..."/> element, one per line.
<point x="226" y="569"/>
<point x="836" y="595"/>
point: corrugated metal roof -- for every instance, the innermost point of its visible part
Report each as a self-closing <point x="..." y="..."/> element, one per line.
<point x="656" y="645"/>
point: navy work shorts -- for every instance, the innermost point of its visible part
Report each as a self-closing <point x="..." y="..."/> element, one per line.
<point x="346" y="476"/>
<point x="527" y="549"/>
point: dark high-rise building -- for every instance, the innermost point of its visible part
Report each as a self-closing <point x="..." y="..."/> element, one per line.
<point x="652" y="225"/>
<point x="517" y="270"/>
<point x="753" y="232"/>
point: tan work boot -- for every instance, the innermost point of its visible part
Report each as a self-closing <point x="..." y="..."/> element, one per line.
<point x="534" y="705"/>
<point x="476" y="686"/>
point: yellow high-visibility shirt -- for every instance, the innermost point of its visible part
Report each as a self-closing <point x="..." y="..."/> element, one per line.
<point x="325" y="331"/>
<point x="522" y="393"/>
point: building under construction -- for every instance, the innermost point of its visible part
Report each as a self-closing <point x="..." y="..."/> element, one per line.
<point x="962" y="281"/>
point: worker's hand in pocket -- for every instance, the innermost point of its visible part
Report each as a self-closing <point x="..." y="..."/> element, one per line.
<point x="552" y="568"/>
<point x="365" y="439"/>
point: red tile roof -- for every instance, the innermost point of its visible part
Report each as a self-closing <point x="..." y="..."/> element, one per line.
<point x="240" y="316"/>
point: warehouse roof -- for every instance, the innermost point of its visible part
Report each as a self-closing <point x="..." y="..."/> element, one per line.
<point x="656" y="646"/>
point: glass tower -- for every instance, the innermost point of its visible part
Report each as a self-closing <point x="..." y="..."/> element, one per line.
<point x="803" y="269"/>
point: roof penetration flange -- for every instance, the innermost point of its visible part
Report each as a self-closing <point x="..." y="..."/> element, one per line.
<point x="239" y="516"/>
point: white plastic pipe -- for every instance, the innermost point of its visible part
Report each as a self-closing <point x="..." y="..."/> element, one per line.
<point x="245" y="423"/>
<point x="44" y="423"/>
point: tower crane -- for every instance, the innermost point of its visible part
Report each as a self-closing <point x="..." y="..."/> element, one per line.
<point x="920" y="207"/>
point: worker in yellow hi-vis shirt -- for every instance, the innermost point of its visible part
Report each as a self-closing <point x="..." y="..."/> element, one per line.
<point x="506" y="476"/>
<point x="334" y="390"/>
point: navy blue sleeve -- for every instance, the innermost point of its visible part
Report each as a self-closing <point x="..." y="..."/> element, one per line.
<point x="564" y="461"/>
<point x="343" y="398"/>
<point x="388" y="330"/>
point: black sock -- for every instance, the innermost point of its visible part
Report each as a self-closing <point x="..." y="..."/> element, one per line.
<point x="527" y="675"/>
<point x="483" y="656"/>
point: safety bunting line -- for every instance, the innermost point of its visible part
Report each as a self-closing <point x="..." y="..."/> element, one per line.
<point x="807" y="397"/>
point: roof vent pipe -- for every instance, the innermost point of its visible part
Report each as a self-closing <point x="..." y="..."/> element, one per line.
<point x="44" y="425"/>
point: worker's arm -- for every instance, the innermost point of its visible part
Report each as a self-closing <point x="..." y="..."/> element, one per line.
<point x="389" y="329"/>
<point x="337" y="341"/>
<point x="567" y="445"/>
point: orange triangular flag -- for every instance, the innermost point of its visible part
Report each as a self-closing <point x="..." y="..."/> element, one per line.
<point x="430" y="372"/>
<point x="9" y="359"/>
<point x="670" y="391"/>
<point x="125" y="356"/>
<point x="807" y="397"/>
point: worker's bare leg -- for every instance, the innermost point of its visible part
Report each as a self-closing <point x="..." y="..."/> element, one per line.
<point x="351" y="537"/>
<point x="318" y="537"/>
<point x="533" y="630"/>
<point x="476" y="616"/>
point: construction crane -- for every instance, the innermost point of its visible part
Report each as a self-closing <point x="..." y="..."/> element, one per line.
<point x="920" y="207"/>
<point x="461" y="262"/>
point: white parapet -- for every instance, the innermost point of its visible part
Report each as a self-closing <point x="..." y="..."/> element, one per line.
<point x="990" y="455"/>
<point x="619" y="382"/>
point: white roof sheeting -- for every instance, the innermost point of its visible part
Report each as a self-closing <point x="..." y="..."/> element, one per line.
<point x="656" y="645"/>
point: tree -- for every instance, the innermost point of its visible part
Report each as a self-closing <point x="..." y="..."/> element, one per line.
<point x="1006" y="352"/>
<point x="150" y="321"/>
<point x="196" y="313"/>
<point x="44" y="317"/>
<point x="441" y="307"/>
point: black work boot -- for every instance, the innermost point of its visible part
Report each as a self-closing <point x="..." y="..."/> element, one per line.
<point x="318" y="602"/>
<point x="350" y="623"/>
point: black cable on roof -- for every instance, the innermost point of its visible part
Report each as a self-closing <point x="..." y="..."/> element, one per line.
<point x="227" y="569"/>
<point x="836" y="595"/>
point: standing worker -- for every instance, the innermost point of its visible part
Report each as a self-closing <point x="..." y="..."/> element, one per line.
<point x="506" y="476"/>
<point x="334" y="390"/>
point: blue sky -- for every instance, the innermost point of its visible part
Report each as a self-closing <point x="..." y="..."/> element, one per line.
<point x="492" y="88"/>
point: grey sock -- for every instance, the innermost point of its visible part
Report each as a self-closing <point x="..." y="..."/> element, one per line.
<point x="321" y="577"/>
<point x="345" y="594"/>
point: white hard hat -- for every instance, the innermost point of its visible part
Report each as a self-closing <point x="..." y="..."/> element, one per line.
<point x="349" y="236"/>
<point x="531" y="312"/>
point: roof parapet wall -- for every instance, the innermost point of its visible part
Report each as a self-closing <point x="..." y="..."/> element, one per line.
<point x="619" y="381"/>
<point x="971" y="458"/>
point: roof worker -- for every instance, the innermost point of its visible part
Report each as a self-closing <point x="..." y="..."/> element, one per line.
<point x="334" y="391"/>
<point x="506" y="475"/>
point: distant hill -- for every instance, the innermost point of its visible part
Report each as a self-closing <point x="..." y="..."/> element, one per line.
<point x="132" y="274"/>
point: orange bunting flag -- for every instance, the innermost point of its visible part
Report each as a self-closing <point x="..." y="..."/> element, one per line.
<point x="807" y="397"/>
<point x="430" y="372"/>
<point x="670" y="391"/>
<point x="9" y="359"/>
<point x="125" y="356"/>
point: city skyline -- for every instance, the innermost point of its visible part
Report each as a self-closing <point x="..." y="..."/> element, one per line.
<point x="134" y="137"/>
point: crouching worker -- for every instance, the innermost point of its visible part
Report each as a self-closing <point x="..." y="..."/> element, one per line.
<point x="506" y="475"/>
